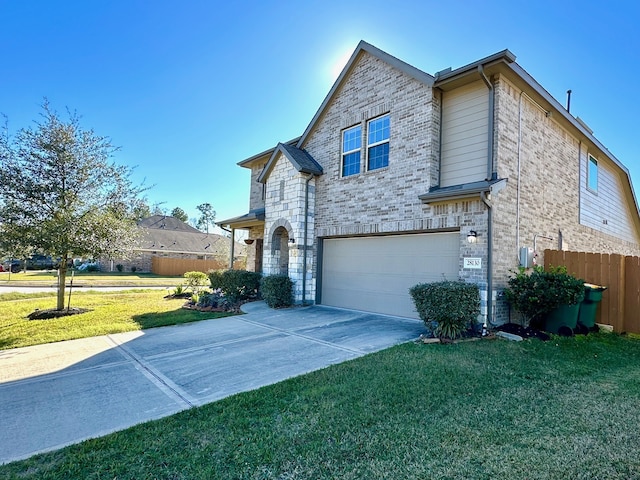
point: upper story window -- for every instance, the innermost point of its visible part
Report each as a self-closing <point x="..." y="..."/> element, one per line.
<point x="378" y="142"/>
<point x="592" y="174"/>
<point x="351" y="147"/>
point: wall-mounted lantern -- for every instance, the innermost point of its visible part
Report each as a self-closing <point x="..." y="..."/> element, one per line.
<point x="472" y="236"/>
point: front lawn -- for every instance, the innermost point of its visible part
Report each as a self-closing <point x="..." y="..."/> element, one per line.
<point x="89" y="279"/>
<point x="562" y="409"/>
<point x="111" y="312"/>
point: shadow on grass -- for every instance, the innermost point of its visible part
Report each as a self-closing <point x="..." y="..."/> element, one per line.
<point x="176" y="317"/>
<point x="8" y="342"/>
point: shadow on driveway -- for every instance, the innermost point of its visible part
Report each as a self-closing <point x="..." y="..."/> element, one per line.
<point x="58" y="394"/>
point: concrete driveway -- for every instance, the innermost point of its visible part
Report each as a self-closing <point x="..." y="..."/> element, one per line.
<point x="58" y="394"/>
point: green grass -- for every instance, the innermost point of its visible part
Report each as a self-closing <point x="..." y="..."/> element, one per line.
<point x="564" y="409"/>
<point x="89" y="279"/>
<point x="111" y="312"/>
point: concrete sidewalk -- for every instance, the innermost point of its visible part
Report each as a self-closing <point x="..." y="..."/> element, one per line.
<point x="62" y="393"/>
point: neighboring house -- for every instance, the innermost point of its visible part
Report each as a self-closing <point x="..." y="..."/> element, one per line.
<point x="165" y="236"/>
<point x="404" y="177"/>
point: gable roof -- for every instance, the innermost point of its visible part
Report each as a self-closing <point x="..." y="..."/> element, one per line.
<point x="266" y="154"/>
<point x="166" y="222"/>
<point x="165" y="234"/>
<point x="300" y="159"/>
<point x="379" y="54"/>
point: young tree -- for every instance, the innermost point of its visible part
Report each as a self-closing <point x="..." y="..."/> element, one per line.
<point x="180" y="214"/>
<point x="62" y="196"/>
<point x="207" y="217"/>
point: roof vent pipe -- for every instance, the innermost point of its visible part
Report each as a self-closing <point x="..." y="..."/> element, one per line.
<point x="569" y="101"/>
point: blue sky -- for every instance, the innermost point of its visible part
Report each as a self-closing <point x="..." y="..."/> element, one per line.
<point x="187" y="89"/>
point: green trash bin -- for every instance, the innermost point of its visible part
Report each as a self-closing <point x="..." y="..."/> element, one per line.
<point x="563" y="320"/>
<point x="589" y="306"/>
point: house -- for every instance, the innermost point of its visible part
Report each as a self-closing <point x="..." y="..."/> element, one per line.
<point x="404" y="177"/>
<point x="164" y="236"/>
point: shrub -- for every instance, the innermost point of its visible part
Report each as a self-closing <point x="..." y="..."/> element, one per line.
<point x="447" y="308"/>
<point x="119" y="267"/>
<point x="196" y="281"/>
<point x="236" y="285"/>
<point x="214" y="299"/>
<point x="536" y="294"/>
<point x="134" y="269"/>
<point x="93" y="268"/>
<point x="277" y="291"/>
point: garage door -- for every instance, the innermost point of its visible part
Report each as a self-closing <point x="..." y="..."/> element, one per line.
<point x="374" y="274"/>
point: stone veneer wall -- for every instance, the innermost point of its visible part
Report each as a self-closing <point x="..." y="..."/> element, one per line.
<point x="285" y="207"/>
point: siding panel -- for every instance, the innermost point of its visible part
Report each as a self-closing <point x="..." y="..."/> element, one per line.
<point x="465" y="128"/>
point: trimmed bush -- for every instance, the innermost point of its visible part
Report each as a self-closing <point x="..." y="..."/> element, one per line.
<point x="536" y="294"/>
<point x="236" y="285"/>
<point x="119" y="267"/>
<point x="447" y="308"/>
<point x="277" y="291"/>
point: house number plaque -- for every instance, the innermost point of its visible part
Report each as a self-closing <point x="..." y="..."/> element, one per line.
<point x="474" y="263"/>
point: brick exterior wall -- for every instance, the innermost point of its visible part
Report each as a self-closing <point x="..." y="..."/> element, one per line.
<point x="386" y="200"/>
<point x="256" y="199"/>
<point x="543" y="161"/>
<point x="552" y="164"/>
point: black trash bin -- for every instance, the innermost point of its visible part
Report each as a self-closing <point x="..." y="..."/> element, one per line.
<point x="588" y="307"/>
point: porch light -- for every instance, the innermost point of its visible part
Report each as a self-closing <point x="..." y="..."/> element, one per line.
<point x="292" y="240"/>
<point x="472" y="236"/>
<point x="248" y="241"/>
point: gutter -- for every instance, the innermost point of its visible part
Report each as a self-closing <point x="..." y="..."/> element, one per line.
<point x="483" y="195"/>
<point x="490" y="120"/>
<point x="489" y="205"/>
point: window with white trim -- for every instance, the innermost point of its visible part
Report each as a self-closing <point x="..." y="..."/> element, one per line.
<point x="378" y="132"/>
<point x="351" y="148"/>
<point x="592" y="174"/>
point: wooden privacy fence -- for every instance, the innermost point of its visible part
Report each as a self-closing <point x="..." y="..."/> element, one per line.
<point x="178" y="266"/>
<point x="620" y="305"/>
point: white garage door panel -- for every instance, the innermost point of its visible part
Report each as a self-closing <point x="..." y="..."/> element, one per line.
<point x="375" y="273"/>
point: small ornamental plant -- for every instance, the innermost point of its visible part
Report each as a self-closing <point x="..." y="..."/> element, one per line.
<point x="537" y="293"/>
<point x="447" y="308"/>
<point x="196" y="281"/>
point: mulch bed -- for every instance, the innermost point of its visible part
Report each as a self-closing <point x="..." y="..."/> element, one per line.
<point x="53" y="313"/>
<point x="191" y="306"/>
<point x="524" y="332"/>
